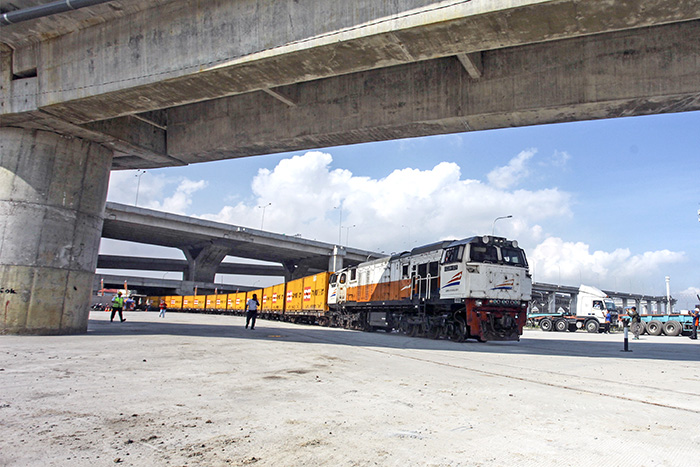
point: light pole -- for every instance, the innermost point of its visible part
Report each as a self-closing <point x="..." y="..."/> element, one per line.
<point x="340" y="223"/>
<point x="347" y="233"/>
<point x="138" y="175"/>
<point x="493" y="228"/>
<point x="262" y="221"/>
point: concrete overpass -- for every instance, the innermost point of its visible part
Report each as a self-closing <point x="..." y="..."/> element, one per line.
<point x="206" y="243"/>
<point x="137" y="84"/>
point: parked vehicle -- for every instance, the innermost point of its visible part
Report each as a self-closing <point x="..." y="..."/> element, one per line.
<point x="587" y="311"/>
<point x="656" y="324"/>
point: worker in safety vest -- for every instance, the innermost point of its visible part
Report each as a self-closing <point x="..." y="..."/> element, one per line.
<point x="696" y="321"/>
<point x="117" y="306"/>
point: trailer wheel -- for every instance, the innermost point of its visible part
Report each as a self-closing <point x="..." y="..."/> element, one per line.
<point x="560" y="325"/>
<point x="592" y="326"/>
<point x="654" y="328"/>
<point x="546" y="324"/>
<point x="672" y="328"/>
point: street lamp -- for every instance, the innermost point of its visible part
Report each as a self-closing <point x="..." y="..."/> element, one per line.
<point x="493" y="228"/>
<point x="262" y="221"/>
<point x="138" y="175"/>
<point x="347" y="233"/>
<point x="340" y="223"/>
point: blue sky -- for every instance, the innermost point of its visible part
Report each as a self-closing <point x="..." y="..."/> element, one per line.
<point x="611" y="203"/>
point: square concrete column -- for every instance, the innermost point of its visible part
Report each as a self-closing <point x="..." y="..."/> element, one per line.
<point x="52" y="196"/>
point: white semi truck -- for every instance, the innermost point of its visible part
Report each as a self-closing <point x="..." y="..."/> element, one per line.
<point x="588" y="312"/>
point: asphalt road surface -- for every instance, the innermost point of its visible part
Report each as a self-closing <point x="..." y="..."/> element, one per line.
<point x="200" y="390"/>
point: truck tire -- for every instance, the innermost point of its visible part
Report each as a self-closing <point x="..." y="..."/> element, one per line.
<point x="561" y="325"/>
<point x="672" y="328"/>
<point x="572" y="327"/>
<point x="546" y="324"/>
<point x="654" y="328"/>
<point x="592" y="326"/>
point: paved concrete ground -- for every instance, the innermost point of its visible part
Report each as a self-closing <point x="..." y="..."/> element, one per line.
<point x="201" y="390"/>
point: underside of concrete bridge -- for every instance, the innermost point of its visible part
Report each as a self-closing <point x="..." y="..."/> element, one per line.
<point x="92" y="86"/>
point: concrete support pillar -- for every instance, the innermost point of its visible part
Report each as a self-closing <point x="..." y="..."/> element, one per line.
<point x="203" y="261"/>
<point x="335" y="262"/>
<point x="295" y="270"/>
<point x="52" y="197"/>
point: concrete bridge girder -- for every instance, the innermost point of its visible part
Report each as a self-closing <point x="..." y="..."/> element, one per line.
<point x="262" y="52"/>
<point x="578" y="79"/>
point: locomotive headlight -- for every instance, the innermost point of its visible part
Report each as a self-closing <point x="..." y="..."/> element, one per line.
<point x="478" y="303"/>
<point x="514" y="243"/>
<point x="485" y="238"/>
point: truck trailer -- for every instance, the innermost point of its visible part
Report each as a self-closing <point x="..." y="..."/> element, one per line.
<point x="587" y="313"/>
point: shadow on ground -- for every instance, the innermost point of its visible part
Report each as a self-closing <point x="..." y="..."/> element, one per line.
<point x="530" y="344"/>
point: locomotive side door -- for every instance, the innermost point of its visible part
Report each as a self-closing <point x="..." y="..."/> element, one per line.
<point x="342" y="286"/>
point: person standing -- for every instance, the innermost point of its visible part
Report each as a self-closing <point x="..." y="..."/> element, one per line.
<point x="117" y="307"/>
<point x="696" y="321"/>
<point x="636" y="322"/>
<point x="162" y="309"/>
<point x="251" y="307"/>
<point x="608" y="321"/>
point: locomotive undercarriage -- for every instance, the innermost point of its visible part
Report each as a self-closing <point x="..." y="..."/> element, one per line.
<point x="426" y="320"/>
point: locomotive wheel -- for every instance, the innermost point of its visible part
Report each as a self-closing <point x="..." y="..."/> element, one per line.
<point x="412" y="330"/>
<point x="434" y="332"/>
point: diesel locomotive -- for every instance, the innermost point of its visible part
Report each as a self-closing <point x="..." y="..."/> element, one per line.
<point x="477" y="287"/>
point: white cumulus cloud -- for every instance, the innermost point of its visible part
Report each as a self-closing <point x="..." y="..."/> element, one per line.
<point x="516" y="170"/>
<point x="406" y="208"/>
<point x="560" y="262"/>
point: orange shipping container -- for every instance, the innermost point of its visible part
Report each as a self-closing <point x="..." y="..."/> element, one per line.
<point x="315" y="292"/>
<point x="199" y="302"/>
<point x="237" y="301"/>
<point x="220" y="302"/>
<point x="294" y="296"/>
<point x="174" y="302"/>
<point x="277" y="299"/>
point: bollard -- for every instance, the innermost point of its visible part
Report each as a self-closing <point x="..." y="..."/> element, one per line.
<point x="626" y="349"/>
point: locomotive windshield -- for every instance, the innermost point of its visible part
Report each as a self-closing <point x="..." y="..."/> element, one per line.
<point x="483" y="254"/>
<point x="499" y="251"/>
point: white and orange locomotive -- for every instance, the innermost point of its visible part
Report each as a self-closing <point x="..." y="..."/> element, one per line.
<point x="478" y="288"/>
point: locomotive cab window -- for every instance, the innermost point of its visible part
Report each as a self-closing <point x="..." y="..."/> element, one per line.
<point x="333" y="279"/>
<point x="353" y="275"/>
<point x="513" y="256"/>
<point x="343" y="278"/>
<point x="453" y="255"/>
<point x="483" y="253"/>
<point x="404" y="271"/>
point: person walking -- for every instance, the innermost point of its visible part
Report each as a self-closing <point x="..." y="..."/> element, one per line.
<point x="696" y="321"/>
<point x="162" y="309"/>
<point x="117" y="307"/>
<point x="636" y="322"/>
<point x="251" y="307"/>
